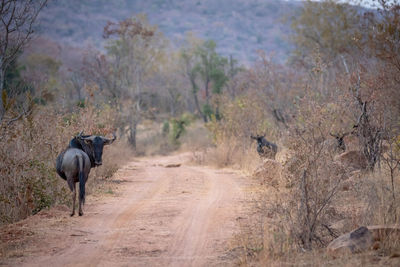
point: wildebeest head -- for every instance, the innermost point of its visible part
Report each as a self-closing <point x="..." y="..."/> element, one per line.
<point x="265" y="147"/>
<point x="93" y="146"/>
<point x="257" y="137"/>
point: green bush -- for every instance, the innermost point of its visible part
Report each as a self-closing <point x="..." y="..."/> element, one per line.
<point x="179" y="127"/>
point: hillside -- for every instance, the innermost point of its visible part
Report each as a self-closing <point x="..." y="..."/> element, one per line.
<point x="240" y="27"/>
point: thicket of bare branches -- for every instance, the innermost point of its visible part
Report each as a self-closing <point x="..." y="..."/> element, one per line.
<point x="16" y="28"/>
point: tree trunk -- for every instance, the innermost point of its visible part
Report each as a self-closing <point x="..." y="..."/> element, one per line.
<point x="172" y="108"/>
<point x="207" y="83"/>
<point x="2" y="104"/>
<point x="132" y="133"/>
<point x="196" y="100"/>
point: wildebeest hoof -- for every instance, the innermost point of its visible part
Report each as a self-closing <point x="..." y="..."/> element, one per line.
<point x="72" y="214"/>
<point x="80" y="213"/>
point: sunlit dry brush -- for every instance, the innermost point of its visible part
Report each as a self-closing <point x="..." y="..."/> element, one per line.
<point x="30" y="147"/>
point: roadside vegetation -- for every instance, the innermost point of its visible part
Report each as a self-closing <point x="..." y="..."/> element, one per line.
<point x="333" y="110"/>
<point x="334" y="113"/>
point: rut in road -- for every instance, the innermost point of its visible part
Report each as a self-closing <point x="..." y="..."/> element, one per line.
<point x="184" y="216"/>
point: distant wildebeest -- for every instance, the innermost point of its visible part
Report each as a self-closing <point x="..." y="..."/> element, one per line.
<point x="265" y="148"/>
<point x="74" y="163"/>
<point x="341" y="146"/>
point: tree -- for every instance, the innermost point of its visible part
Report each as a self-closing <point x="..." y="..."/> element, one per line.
<point x="14" y="83"/>
<point x="100" y="70"/>
<point x="329" y="26"/>
<point x="232" y="72"/>
<point x="189" y="60"/>
<point x="211" y="68"/>
<point x="136" y="50"/>
<point x="172" y="98"/>
<point x="42" y="72"/>
<point x="203" y="64"/>
<point x="16" y="29"/>
<point x="376" y="86"/>
<point x="383" y="38"/>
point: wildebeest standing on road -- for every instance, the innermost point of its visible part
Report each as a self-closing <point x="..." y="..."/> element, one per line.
<point x="74" y="163"/>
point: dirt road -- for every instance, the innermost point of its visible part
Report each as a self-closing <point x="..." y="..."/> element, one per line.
<point x="163" y="215"/>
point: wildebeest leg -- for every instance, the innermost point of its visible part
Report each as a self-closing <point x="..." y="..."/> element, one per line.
<point x="82" y="181"/>
<point x="73" y="194"/>
<point x="80" y="207"/>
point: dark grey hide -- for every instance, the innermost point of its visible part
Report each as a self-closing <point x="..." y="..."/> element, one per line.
<point x="265" y="148"/>
<point x="74" y="163"/>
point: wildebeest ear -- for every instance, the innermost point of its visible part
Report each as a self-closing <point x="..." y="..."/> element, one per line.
<point x="87" y="141"/>
<point x="107" y="141"/>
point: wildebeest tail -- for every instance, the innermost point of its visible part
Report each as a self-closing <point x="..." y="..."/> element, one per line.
<point x="81" y="166"/>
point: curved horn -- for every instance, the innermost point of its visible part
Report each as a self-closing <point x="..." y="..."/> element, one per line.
<point x="87" y="137"/>
<point x="108" y="141"/>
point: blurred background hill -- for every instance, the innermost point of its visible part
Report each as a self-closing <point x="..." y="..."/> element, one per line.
<point x="239" y="27"/>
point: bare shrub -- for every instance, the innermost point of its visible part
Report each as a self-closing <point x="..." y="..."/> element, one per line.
<point x="28" y="183"/>
<point x="392" y="161"/>
<point x="315" y="186"/>
<point x="307" y="206"/>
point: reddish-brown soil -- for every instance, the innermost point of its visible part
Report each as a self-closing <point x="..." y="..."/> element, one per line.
<point x="165" y="212"/>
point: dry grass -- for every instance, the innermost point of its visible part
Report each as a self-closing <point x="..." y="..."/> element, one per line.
<point x="152" y="141"/>
<point x="197" y="137"/>
<point x="232" y="153"/>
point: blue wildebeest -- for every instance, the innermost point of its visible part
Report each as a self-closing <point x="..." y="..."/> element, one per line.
<point x="74" y="163"/>
<point x="341" y="146"/>
<point x="265" y="148"/>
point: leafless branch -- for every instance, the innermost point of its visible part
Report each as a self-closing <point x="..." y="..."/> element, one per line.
<point x="16" y="27"/>
<point x="23" y="113"/>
